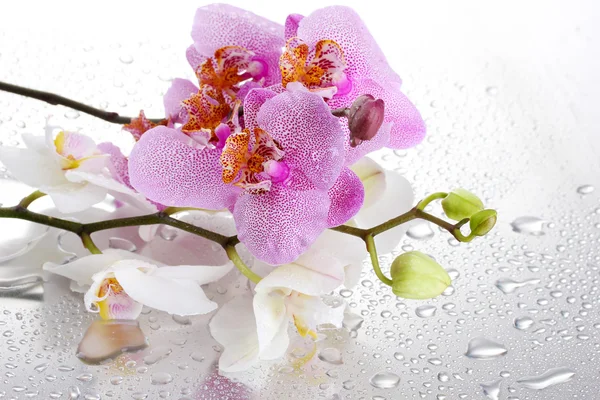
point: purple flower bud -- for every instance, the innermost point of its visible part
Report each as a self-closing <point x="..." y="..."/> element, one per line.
<point x="365" y="117"/>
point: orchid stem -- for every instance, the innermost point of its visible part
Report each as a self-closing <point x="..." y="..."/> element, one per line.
<point x="55" y="99"/>
<point x="89" y="244"/>
<point x="239" y="263"/>
<point x="31" y="198"/>
<point x="434" y="196"/>
<point x="175" y="210"/>
<point x="370" y="241"/>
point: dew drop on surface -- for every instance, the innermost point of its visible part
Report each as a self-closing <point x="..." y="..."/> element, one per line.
<point x="485" y="349"/>
<point x="168" y="233"/>
<point x="116" y="380"/>
<point x="399" y="356"/>
<point x="85" y="377"/>
<point x="491" y="389"/>
<point x="523" y="323"/>
<point x="156" y="355"/>
<point x="508" y="286"/>
<point x="182" y="320"/>
<point x="421" y="231"/>
<point x="549" y="378"/>
<point x="331" y="355"/>
<point x="425" y="311"/>
<point x="126" y="58"/>
<point x="491" y="91"/>
<point x="121" y="244"/>
<point x="585" y="189"/>
<point x="385" y="380"/>
<point x="161" y="378"/>
<point x="529" y="225"/>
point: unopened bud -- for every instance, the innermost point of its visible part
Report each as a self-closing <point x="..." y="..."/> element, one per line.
<point x="461" y="204"/>
<point x="417" y="276"/>
<point x="365" y="117"/>
<point x="483" y="222"/>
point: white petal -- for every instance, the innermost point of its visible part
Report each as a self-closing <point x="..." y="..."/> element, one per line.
<point x="82" y="269"/>
<point x="74" y="197"/>
<point x="271" y="314"/>
<point x="279" y="344"/>
<point x="313" y="311"/>
<point x="234" y="327"/>
<point x="171" y="295"/>
<point x="372" y="175"/>
<point x="350" y="250"/>
<point x="397" y="198"/>
<point x="35" y="142"/>
<point x="201" y="274"/>
<point x="148" y="232"/>
<point x="31" y="167"/>
<point x="314" y="273"/>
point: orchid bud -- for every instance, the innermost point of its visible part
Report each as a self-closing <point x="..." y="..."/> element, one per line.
<point x="365" y="117"/>
<point x="417" y="276"/>
<point x="461" y="204"/>
<point x="482" y="222"/>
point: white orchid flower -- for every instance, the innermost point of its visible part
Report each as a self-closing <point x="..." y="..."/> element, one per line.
<point x="258" y="330"/>
<point x="121" y="283"/>
<point x="69" y="168"/>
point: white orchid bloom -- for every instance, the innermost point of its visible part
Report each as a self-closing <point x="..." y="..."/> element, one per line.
<point x="258" y="330"/>
<point x="121" y="283"/>
<point x="69" y="168"/>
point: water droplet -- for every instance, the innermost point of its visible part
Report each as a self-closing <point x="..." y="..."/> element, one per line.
<point x="346" y="293"/>
<point x="399" y="356"/>
<point x="491" y="389"/>
<point x="156" y="355"/>
<point x="41" y="367"/>
<point x="443" y="377"/>
<point x="523" y="323"/>
<point x="168" y="233"/>
<point x="352" y="322"/>
<point x="485" y="349"/>
<point x="73" y="393"/>
<point x="420" y="231"/>
<point x="491" y="91"/>
<point x="85" y="377"/>
<point x="139" y="396"/>
<point x="161" y="378"/>
<point x="72" y="114"/>
<point x="116" y="380"/>
<point x="508" y="286"/>
<point x="425" y="311"/>
<point x="551" y="377"/>
<point x="585" y="189"/>
<point x="122" y="244"/>
<point x="126" y="58"/>
<point x="331" y="355"/>
<point x="197" y="356"/>
<point x="385" y="380"/>
<point x="182" y="320"/>
<point x="529" y="225"/>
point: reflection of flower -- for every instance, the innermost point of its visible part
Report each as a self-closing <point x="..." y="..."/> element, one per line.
<point x="366" y="72"/>
<point x="70" y="168"/>
<point x="258" y="330"/>
<point x="121" y="283"/>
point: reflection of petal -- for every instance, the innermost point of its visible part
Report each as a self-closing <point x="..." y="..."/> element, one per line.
<point x="234" y="327"/>
<point x="17" y="237"/>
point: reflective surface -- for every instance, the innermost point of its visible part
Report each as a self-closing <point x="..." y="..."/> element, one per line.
<point x="508" y="93"/>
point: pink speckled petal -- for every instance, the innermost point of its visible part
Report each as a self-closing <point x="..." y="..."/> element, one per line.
<point x="180" y="90"/>
<point x="347" y="195"/>
<point x="117" y="164"/>
<point x="194" y="58"/>
<point x="310" y="136"/>
<point x="220" y="25"/>
<point x="291" y="25"/>
<point x="344" y="26"/>
<point x="167" y="167"/>
<point x="281" y="224"/>
<point x="252" y="103"/>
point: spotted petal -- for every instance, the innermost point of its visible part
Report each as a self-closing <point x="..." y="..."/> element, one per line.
<point x="347" y="195"/>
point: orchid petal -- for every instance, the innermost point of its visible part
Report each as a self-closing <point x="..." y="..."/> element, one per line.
<point x="234" y="327"/>
<point x="75" y="197"/>
<point x="271" y="315"/>
<point x="347" y="195"/>
<point x="201" y="274"/>
<point x="181" y="89"/>
<point x="31" y="167"/>
<point x="82" y="269"/>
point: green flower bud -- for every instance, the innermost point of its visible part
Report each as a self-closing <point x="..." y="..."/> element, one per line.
<point x="483" y="222"/>
<point x="417" y="276"/>
<point x="461" y="204"/>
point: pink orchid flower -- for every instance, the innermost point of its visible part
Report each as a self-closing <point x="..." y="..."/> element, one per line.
<point x="356" y="66"/>
<point x="282" y="176"/>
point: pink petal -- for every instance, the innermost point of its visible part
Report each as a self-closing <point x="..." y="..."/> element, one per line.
<point x="180" y="90"/>
<point x="344" y="26"/>
<point x="117" y="164"/>
<point x="291" y="25"/>
<point x="194" y="58"/>
<point x="281" y="224"/>
<point x="220" y="25"/>
<point x="347" y="195"/>
<point x="310" y="136"/>
<point x="252" y="103"/>
<point x="168" y="167"/>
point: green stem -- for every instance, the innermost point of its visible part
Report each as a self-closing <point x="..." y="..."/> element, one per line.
<point x="89" y="244"/>
<point x="174" y="210"/>
<point x="31" y="198"/>
<point x="434" y="196"/>
<point x="239" y="263"/>
<point x="370" y="241"/>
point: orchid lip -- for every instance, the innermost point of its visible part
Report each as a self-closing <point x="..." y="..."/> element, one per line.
<point x="279" y="171"/>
